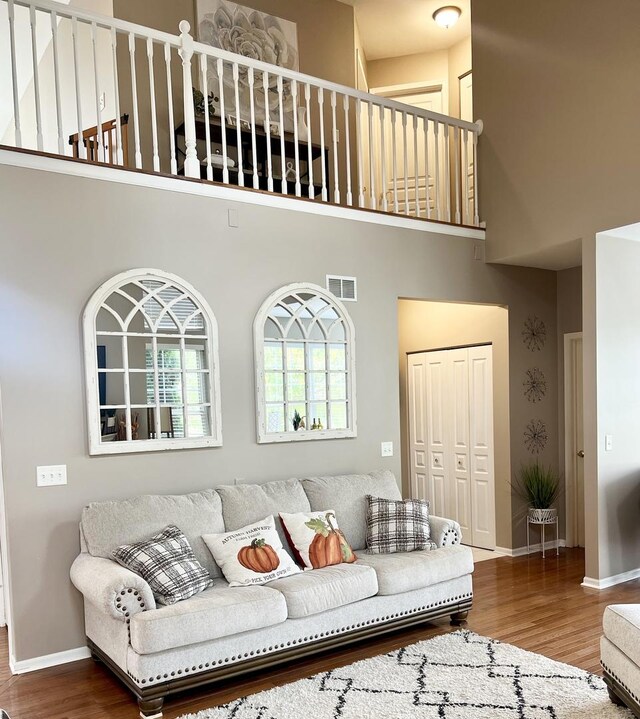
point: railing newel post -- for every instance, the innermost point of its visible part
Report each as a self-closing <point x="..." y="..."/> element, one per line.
<point x="191" y="164"/>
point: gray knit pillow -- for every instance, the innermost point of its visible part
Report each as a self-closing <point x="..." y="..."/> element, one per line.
<point x="397" y="525"/>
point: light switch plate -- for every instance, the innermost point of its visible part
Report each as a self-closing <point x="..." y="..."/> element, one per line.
<point x="234" y="220"/>
<point x="608" y="442"/>
<point x="51" y="475"/>
<point x="386" y="449"/>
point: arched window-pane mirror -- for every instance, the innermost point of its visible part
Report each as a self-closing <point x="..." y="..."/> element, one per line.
<point x="151" y="359"/>
<point x="305" y="366"/>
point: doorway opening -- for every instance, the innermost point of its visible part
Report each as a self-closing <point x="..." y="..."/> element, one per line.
<point x="454" y="388"/>
<point x="574" y="440"/>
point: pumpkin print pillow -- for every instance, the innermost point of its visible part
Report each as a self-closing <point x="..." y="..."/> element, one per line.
<point x="316" y="539"/>
<point x="251" y="555"/>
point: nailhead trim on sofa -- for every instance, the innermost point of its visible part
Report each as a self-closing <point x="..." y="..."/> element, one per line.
<point x="630" y="692"/>
<point x="284" y="645"/>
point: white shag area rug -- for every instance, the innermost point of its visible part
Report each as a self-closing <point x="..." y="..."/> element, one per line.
<point x="460" y="675"/>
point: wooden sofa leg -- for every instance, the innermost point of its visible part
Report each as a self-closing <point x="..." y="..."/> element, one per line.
<point x="615" y="699"/>
<point x="150" y="708"/>
<point x="459" y="618"/>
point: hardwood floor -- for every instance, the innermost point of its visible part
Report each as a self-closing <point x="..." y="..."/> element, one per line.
<point x="537" y="605"/>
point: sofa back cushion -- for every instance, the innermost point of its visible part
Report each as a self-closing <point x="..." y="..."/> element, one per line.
<point x="107" y="525"/>
<point x="347" y="495"/>
<point x="244" y="504"/>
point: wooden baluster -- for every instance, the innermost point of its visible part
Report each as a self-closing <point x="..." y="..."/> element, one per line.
<point x="447" y="173"/>
<point x="394" y="150"/>
<point x="223" y="123"/>
<point x="283" y="156"/>
<point x="119" y="159"/>
<point x="96" y="79"/>
<point x="204" y="83"/>
<point x="436" y="177"/>
<point x="347" y="150"/>
<point x="323" y="158"/>
<point x="134" y="101"/>
<point x="476" y="211"/>
<point x="56" y="80"/>
<point x="236" y="92"/>
<point x="334" y="129"/>
<point x="254" y="151"/>
<point x="14" y="75"/>
<point x="191" y="164"/>
<point x="36" y="77"/>
<point x="359" y="150"/>
<point x="466" y="210"/>
<point x="372" y="165"/>
<point x="267" y="128"/>
<point x="307" y="95"/>
<point x="172" y="134"/>
<point x="383" y="159"/>
<point x="456" y="161"/>
<point x="405" y="148"/>
<point x="427" y="178"/>
<point x="416" y="165"/>
<point x="294" y="96"/>
<point x="152" y="97"/>
<point x="82" y="150"/>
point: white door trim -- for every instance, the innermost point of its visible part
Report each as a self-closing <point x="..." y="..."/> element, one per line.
<point x="413" y="88"/>
<point x="569" y="450"/>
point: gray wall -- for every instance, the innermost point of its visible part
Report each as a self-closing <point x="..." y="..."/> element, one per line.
<point x="59" y="256"/>
<point x="555" y="82"/>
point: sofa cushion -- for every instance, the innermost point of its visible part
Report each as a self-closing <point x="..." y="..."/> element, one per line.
<point x="245" y="504"/>
<point x="621" y="625"/>
<point x="217" y="612"/>
<point x="107" y="525"/>
<point x="347" y="494"/>
<point x="318" y="590"/>
<point x="405" y="571"/>
<point x="168" y="565"/>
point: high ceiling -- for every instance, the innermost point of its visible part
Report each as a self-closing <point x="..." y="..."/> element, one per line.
<point x="390" y="28"/>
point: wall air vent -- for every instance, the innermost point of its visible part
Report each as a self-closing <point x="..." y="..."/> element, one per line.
<point x="344" y="288"/>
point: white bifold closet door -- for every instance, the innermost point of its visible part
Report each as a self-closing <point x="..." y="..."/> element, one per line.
<point x="451" y="437"/>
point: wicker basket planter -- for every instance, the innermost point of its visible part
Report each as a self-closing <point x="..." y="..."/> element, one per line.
<point x="543" y="516"/>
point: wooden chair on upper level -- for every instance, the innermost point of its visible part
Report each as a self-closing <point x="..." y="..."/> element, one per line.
<point x="109" y="142"/>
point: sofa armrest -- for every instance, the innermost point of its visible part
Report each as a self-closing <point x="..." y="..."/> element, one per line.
<point x="445" y="532"/>
<point x="114" y="589"/>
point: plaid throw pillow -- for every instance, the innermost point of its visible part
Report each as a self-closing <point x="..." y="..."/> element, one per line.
<point x="168" y="565"/>
<point x="397" y="525"/>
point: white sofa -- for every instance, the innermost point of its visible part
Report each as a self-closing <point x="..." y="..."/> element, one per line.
<point x="225" y="631"/>
<point x="620" y="654"/>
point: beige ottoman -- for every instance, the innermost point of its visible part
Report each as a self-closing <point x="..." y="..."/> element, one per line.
<point x="620" y="654"/>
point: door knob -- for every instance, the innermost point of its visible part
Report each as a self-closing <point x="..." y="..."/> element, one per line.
<point x="581" y="453"/>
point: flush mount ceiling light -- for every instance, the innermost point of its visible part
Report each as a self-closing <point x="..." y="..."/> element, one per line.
<point x="447" y="16"/>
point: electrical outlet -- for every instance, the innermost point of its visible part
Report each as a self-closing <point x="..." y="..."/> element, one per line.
<point x="386" y="449"/>
<point x="236" y="481"/>
<point x="103" y="100"/>
<point x="51" y="475"/>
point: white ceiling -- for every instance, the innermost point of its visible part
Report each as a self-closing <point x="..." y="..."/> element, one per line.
<point x="391" y="28"/>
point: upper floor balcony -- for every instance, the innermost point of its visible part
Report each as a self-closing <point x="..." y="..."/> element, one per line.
<point x="100" y="90"/>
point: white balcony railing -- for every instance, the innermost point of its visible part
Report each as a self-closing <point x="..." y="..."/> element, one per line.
<point x="104" y="90"/>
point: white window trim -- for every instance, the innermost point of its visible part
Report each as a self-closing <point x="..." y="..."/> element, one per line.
<point x="96" y="446"/>
<point x="265" y="437"/>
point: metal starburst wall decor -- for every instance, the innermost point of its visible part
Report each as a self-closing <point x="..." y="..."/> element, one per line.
<point x="535" y="436"/>
<point x="535" y="385"/>
<point x="534" y="333"/>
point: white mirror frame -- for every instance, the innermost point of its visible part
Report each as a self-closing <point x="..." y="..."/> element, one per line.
<point x="265" y="437"/>
<point x="98" y="447"/>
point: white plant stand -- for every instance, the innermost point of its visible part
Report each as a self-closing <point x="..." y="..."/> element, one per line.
<point x="543" y="517"/>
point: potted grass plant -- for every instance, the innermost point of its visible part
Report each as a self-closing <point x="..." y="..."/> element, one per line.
<point x="539" y="486"/>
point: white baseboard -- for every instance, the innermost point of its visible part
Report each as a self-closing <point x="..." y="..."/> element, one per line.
<point x="591" y="583"/>
<point x="522" y="551"/>
<point x="48" y="660"/>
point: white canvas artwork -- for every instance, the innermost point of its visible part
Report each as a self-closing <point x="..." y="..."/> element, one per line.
<point x="256" y="35"/>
